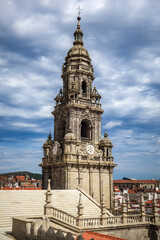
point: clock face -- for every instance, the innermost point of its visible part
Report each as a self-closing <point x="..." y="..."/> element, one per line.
<point x="54" y="150"/>
<point x="90" y="149"/>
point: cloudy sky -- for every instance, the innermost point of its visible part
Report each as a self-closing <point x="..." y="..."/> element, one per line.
<point x="123" y="40"/>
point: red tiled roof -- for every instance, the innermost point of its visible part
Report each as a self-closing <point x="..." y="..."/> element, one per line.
<point x="97" y="236"/>
<point x="20" y="178"/>
<point x="135" y="181"/>
<point x="131" y="191"/>
<point x="28" y="185"/>
<point x="34" y="181"/>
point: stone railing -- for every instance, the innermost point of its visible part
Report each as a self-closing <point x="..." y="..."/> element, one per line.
<point x="113" y="220"/>
<point x="95" y="222"/>
<point x="90" y="222"/>
<point x="149" y="218"/>
<point x="134" y="218"/>
<point x="63" y="216"/>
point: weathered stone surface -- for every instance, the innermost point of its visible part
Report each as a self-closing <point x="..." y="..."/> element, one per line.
<point x="69" y="236"/>
<point x="50" y="234"/>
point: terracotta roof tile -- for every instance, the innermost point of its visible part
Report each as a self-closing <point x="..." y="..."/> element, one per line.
<point x="20" y="178"/>
<point x="135" y="181"/>
<point x="97" y="236"/>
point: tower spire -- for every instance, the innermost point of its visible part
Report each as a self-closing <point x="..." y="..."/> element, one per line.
<point x="78" y="34"/>
<point x="79" y="16"/>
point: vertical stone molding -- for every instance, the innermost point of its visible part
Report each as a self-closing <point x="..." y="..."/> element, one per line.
<point x="48" y="206"/>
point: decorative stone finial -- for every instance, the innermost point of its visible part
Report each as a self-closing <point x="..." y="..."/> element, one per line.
<point x="48" y="206"/>
<point x="103" y="197"/>
<point x="105" y="134"/>
<point x="49" y="185"/>
<point x="79" y="16"/>
<point x="69" y="129"/>
<point x="80" y="212"/>
<point x="80" y="200"/>
<point x="49" y="136"/>
<point x="78" y="34"/>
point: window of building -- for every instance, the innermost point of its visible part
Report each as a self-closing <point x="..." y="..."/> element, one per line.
<point x="84" y="87"/>
<point x="85" y="129"/>
<point x="62" y="128"/>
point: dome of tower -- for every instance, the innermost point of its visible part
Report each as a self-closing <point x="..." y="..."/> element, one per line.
<point x="106" y="140"/>
<point x="78" y="50"/>
<point x="69" y="136"/>
<point x="77" y="58"/>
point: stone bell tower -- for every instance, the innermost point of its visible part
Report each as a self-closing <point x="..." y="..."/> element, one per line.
<point x="77" y="156"/>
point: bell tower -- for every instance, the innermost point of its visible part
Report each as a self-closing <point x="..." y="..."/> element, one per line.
<point x="77" y="157"/>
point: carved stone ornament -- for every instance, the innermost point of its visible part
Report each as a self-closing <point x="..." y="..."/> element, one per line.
<point x="81" y="150"/>
<point x="57" y="151"/>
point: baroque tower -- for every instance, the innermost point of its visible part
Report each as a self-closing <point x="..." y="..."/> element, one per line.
<point x="77" y="157"/>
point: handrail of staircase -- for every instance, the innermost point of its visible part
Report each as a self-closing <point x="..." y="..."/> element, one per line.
<point x="64" y="216"/>
<point x="93" y="200"/>
<point x="88" y="196"/>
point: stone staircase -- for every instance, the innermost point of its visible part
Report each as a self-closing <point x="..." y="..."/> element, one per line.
<point x="30" y="203"/>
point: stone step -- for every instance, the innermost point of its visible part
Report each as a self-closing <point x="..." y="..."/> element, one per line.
<point x="31" y="202"/>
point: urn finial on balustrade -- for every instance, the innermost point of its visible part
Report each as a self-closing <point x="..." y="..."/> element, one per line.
<point x="103" y="210"/>
<point x="124" y="210"/>
<point x="128" y="203"/>
<point x="115" y="204"/>
<point x="142" y="208"/>
<point x="48" y="206"/>
<point x="80" y="211"/>
<point x="155" y="209"/>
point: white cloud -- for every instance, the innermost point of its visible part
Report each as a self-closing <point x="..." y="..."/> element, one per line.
<point x="112" y="124"/>
<point x="124" y="47"/>
<point x="23" y="125"/>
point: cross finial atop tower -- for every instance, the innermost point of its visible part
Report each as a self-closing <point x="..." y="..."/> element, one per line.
<point x="79" y="16"/>
<point x="79" y="11"/>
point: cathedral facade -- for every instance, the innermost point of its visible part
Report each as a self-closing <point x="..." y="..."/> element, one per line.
<point x="77" y="157"/>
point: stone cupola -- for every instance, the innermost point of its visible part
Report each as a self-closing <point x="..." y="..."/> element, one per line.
<point x="77" y="70"/>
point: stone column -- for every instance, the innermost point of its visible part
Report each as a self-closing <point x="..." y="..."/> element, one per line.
<point x="111" y="187"/>
<point x="90" y="180"/>
<point x="103" y="211"/>
<point x="124" y="211"/>
<point x="80" y="212"/>
<point x="142" y="207"/>
<point x="155" y="209"/>
<point x="100" y="183"/>
<point x="115" y="205"/>
<point x="128" y="203"/>
<point x="48" y="206"/>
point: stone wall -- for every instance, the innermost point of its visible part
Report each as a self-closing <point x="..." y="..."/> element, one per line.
<point x="42" y="227"/>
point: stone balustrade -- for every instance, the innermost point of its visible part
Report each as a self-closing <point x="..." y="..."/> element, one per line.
<point x="114" y="220"/>
<point x="86" y="222"/>
<point x="91" y="222"/>
<point x="63" y="216"/>
<point x="134" y="218"/>
<point x="149" y="218"/>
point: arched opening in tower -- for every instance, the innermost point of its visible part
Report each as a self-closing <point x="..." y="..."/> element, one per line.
<point x="85" y="129"/>
<point x="84" y="87"/>
<point x="62" y="129"/>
